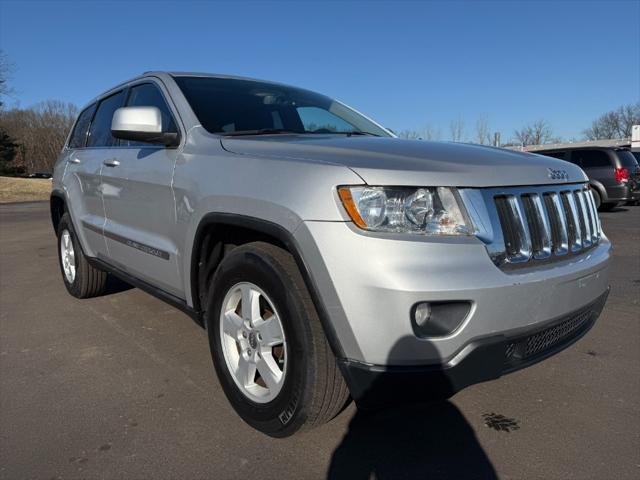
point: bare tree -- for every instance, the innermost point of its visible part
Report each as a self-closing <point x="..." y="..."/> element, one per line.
<point x="6" y="70"/>
<point x="457" y="129"/>
<point x="426" y="133"/>
<point x="39" y="133"/>
<point x="483" y="134"/>
<point x="8" y="146"/>
<point x="410" y="134"/>
<point x="615" y="123"/>
<point x="535" y="133"/>
<point x="430" y="133"/>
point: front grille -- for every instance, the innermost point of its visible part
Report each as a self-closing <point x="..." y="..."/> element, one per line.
<point x="541" y="224"/>
<point x="529" y="348"/>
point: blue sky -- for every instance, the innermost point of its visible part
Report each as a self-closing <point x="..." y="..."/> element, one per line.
<point x="406" y="64"/>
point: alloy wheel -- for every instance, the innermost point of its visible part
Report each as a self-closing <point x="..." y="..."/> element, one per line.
<point x="253" y="342"/>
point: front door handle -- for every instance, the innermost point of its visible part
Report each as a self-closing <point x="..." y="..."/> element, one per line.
<point x="74" y="160"/>
<point x="112" y="163"/>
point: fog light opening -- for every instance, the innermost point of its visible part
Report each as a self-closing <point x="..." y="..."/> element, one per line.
<point x="438" y="319"/>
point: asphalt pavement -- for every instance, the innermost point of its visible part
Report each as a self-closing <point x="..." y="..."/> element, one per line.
<point x="122" y="386"/>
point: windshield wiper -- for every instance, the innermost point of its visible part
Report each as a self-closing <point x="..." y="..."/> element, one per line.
<point x="348" y="133"/>
<point x="359" y="132"/>
<point x="261" y="131"/>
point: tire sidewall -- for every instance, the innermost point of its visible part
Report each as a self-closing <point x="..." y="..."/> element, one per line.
<point x="597" y="197"/>
<point x="287" y="412"/>
<point x="65" y="224"/>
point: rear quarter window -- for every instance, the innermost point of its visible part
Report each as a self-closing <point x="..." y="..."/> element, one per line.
<point x="627" y="159"/>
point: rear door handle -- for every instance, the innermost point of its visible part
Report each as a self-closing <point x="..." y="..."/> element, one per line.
<point x="74" y="160"/>
<point x="112" y="163"/>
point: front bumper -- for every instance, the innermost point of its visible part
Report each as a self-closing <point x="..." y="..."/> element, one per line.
<point x="481" y="360"/>
<point x="369" y="283"/>
<point x="622" y="193"/>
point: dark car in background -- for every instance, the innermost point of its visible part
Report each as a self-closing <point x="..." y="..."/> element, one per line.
<point x="614" y="174"/>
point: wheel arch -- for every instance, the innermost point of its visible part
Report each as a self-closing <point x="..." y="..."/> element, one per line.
<point x="57" y="207"/>
<point x="599" y="187"/>
<point x="211" y="231"/>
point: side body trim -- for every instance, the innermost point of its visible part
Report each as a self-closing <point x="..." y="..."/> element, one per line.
<point x="156" y="252"/>
<point x="150" y="289"/>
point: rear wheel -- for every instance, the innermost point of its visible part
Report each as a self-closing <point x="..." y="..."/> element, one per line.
<point x="81" y="279"/>
<point x="268" y="347"/>
<point x="596" y="197"/>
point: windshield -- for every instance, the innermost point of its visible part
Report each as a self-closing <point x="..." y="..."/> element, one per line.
<point x="225" y="106"/>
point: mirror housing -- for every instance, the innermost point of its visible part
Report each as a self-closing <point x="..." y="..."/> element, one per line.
<point x="142" y="124"/>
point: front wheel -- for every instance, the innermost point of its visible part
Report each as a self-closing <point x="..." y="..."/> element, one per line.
<point x="267" y="344"/>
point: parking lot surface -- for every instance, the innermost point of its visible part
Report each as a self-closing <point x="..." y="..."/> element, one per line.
<point x="122" y="386"/>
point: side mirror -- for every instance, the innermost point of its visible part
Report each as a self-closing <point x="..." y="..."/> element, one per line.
<point x="141" y="124"/>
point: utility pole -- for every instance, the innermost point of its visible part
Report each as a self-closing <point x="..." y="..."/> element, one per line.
<point x="496" y="139"/>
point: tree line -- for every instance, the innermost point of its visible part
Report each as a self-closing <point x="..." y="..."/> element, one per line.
<point x="615" y="124"/>
<point x="31" y="138"/>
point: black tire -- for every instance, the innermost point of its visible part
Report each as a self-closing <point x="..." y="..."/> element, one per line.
<point x="314" y="390"/>
<point x="596" y="197"/>
<point x="89" y="281"/>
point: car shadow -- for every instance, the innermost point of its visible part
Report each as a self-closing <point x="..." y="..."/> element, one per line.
<point x="409" y="440"/>
<point x="619" y="209"/>
<point x="115" y="285"/>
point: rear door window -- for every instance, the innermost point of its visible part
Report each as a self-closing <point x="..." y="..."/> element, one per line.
<point x="591" y="158"/>
<point x="79" y="135"/>
<point x="100" y="131"/>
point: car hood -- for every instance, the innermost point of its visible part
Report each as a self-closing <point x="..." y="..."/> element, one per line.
<point x="393" y="161"/>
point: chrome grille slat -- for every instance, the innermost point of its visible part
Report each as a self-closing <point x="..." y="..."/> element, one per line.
<point x="558" y="222"/>
<point x="539" y="228"/>
<point x="516" y="233"/>
<point x="573" y="221"/>
<point x="592" y="221"/>
<point x="586" y="219"/>
<point x="595" y="234"/>
<point x="534" y="225"/>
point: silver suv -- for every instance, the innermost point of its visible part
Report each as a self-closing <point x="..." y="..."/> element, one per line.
<point x="327" y="259"/>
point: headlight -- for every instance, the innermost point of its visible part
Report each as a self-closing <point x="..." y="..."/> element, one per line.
<point x="431" y="211"/>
